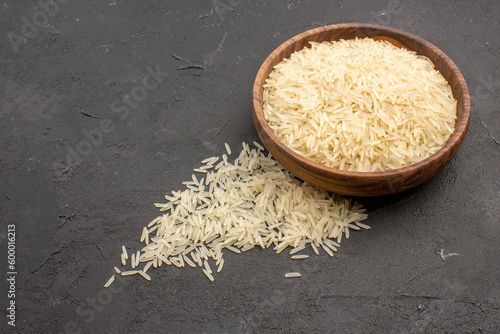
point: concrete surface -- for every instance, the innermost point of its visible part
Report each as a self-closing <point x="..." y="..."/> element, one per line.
<point x="429" y="265"/>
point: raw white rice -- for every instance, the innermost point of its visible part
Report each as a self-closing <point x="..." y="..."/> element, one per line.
<point x="117" y="270"/>
<point x="110" y="280"/>
<point x="233" y="249"/>
<point x="220" y="265"/>
<point x="125" y="253"/>
<point x="327" y="250"/>
<point x="209" y="275"/>
<point x="366" y="227"/>
<point x="359" y="105"/>
<point x="293" y="274"/>
<point x="128" y="273"/>
<point x="228" y="149"/>
<point x="175" y="262"/>
<point x="146" y="267"/>
<point x="315" y="249"/>
<point x="132" y="261"/>
<point x="137" y="258"/>
<point x="199" y="170"/>
<point x="330" y="244"/>
<point x="297" y="249"/>
<point x="188" y="261"/>
<point x="207" y="266"/>
<point x="251" y="202"/>
<point x="143" y="274"/>
<point x="145" y="232"/>
<point x="207" y="160"/>
<point x="300" y="257"/>
<point x="259" y="146"/>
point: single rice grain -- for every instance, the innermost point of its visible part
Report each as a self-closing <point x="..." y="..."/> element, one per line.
<point x="110" y="280"/>
<point x="292" y="275"/>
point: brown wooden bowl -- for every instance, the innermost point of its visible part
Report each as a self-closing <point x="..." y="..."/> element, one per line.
<point x="363" y="183"/>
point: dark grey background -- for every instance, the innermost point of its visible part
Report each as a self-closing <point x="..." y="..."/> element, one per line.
<point x="72" y="220"/>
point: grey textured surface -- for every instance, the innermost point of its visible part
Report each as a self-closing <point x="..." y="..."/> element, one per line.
<point x="74" y="211"/>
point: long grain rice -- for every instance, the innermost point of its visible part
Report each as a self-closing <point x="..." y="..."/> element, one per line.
<point x="132" y="260"/>
<point x="207" y="266"/>
<point x="143" y="274"/>
<point x="359" y="105"/>
<point x="125" y="253"/>
<point x="220" y="265"/>
<point x="188" y="261"/>
<point x="292" y="275"/>
<point x="327" y="250"/>
<point x="110" y="280"/>
<point x="366" y="227"/>
<point x="128" y="273"/>
<point x="137" y="258"/>
<point x="209" y="275"/>
<point x="297" y="249"/>
<point x="228" y="149"/>
<point x="147" y="266"/>
<point x="253" y="202"/>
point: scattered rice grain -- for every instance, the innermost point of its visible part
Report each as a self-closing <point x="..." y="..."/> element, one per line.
<point x="143" y="274"/>
<point x="247" y="204"/>
<point x="128" y="273"/>
<point x="209" y="275"/>
<point x="292" y="275"/>
<point x="366" y="227"/>
<point x="110" y="280"/>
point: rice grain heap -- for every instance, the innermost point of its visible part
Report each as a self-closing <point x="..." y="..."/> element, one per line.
<point x="237" y="206"/>
<point x="359" y="105"/>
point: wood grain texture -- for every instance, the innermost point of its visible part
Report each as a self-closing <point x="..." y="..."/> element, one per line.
<point x="363" y="183"/>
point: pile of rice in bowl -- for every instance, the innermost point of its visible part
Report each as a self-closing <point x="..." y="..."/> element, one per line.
<point x="359" y="105"/>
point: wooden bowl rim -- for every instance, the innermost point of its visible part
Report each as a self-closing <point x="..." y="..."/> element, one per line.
<point x="456" y="139"/>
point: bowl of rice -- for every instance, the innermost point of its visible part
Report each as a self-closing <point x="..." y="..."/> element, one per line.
<point x="361" y="109"/>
